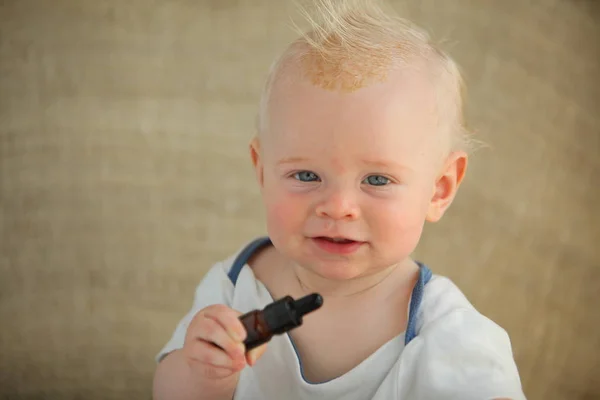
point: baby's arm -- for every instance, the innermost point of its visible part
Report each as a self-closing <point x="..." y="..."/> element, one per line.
<point x="175" y="379"/>
<point x="205" y="355"/>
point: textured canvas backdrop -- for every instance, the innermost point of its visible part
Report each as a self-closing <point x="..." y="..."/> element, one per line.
<point x="124" y="175"/>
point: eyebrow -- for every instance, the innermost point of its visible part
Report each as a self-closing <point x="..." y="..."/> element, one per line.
<point x="372" y="163"/>
<point x="384" y="164"/>
<point x="291" y="160"/>
<point x="380" y="164"/>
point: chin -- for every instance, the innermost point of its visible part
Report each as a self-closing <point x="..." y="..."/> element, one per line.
<point x="334" y="270"/>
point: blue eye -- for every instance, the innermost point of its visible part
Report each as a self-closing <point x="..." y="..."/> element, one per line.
<point x="306" y="176"/>
<point x="376" y="180"/>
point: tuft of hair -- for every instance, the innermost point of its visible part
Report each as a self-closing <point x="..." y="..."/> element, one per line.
<point x="350" y="44"/>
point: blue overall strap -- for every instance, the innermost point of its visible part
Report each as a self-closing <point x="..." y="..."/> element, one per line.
<point x="415" y="301"/>
<point x="244" y="256"/>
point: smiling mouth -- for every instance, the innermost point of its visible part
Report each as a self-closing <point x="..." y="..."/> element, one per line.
<point x="336" y="239"/>
<point x="337" y="245"/>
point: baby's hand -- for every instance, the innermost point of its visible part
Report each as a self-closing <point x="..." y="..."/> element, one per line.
<point x="214" y="343"/>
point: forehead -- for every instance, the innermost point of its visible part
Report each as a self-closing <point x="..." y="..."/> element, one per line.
<point x="391" y="116"/>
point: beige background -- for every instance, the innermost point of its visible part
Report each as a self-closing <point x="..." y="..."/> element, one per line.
<point x="124" y="175"/>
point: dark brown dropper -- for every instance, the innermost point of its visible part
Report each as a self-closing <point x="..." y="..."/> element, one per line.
<point x="277" y="318"/>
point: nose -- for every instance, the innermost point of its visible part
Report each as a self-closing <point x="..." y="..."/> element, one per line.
<point x="338" y="205"/>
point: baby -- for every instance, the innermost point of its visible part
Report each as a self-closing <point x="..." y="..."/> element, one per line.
<point x="360" y="142"/>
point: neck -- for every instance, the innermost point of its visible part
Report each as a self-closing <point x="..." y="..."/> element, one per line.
<point x="360" y="286"/>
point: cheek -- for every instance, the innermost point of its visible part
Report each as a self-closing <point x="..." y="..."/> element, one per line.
<point x="284" y="213"/>
<point x="400" y="224"/>
<point x="278" y="213"/>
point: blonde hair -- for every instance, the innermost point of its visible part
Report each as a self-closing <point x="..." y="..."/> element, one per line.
<point x="352" y="43"/>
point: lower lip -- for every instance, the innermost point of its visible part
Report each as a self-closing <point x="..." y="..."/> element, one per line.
<point x="335" y="247"/>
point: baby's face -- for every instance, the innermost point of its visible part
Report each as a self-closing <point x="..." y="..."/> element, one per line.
<point x="348" y="179"/>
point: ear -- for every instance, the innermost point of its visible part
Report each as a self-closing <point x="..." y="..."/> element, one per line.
<point x="447" y="185"/>
<point x="256" y="161"/>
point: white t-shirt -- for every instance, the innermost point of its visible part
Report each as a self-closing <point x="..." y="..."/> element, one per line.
<point x="457" y="352"/>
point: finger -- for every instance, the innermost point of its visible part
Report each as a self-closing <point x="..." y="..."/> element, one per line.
<point x="229" y="319"/>
<point x="211" y="356"/>
<point x="253" y="355"/>
<point x="212" y="331"/>
<point x="213" y="372"/>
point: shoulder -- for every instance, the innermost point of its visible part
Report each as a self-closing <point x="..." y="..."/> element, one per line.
<point x="445" y="308"/>
<point x="222" y="282"/>
<point x="440" y="297"/>
<point x="233" y="282"/>
<point x="460" y="353"/>
<point x="446" y="315"/>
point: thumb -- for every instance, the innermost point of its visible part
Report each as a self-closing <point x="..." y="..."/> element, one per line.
<point x="253" y="355"/>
